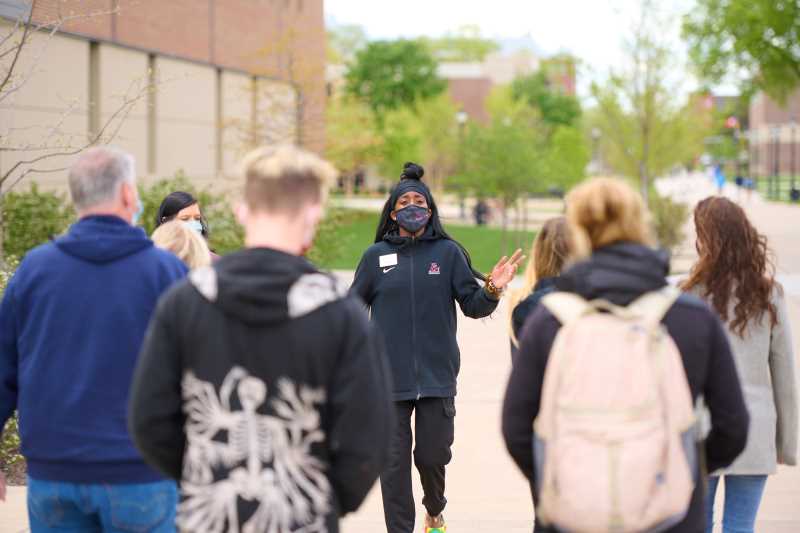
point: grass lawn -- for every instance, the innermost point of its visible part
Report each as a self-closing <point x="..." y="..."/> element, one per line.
<point x="356" y="233"/>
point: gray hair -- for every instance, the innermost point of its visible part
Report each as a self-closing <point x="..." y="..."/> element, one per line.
<point x="97" y="175"/>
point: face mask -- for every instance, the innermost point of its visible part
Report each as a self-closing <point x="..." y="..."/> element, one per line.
<point x="195" y="225"/>
<point x="138" y="213"/>
<point x="412" y="218"/>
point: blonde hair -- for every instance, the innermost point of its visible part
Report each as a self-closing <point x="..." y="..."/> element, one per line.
<point x="184" y="242"/>
<point x="602" y="211"/>
<point x="549" y="254"/>
<point x="284" y="178"/>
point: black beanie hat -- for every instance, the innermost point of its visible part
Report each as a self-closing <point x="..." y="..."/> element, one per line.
<point x="411" y="180"/>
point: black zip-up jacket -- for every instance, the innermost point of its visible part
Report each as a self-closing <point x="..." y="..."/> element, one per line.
<point x="263" y="389"/>
<point x="527" y="306"/>
<point x="411" y="286"/>
<point x="620" y="273"/>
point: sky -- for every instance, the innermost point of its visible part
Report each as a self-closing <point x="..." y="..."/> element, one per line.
<point x="592" y="30"/>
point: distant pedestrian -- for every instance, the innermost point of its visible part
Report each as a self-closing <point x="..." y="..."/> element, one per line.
<point x="411" y="279"/>
<point x="72" y="322"/>
<point x="734" y="274"/>
<point x="623" y="275"/>
<point x="262" y="387"/>
<point x="548" y="256"/>
<point x="188" y="245"/>
<point x="719" y="179"/>
<point x="481" y="212"/>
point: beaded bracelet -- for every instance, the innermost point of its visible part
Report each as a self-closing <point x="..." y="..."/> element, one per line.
<point x="491" y="288"/>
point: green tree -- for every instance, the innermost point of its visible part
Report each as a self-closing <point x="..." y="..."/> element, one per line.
<point x="344" y="41"/>
<point x="757" y="37"/>
<point x="388" y="75"/>
<point x="556" y="109"/>
<point x="464" y="45"/>
<point x="353" y="141"/>
<point x="567" y="154"/>
<point x="644" y="130"/>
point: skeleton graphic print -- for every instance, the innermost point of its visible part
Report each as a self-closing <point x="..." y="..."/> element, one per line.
<point x="249" y="472"/>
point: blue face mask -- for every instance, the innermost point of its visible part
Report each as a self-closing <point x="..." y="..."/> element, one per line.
<point x="412" y="218"/>
<point x="195" y="225"/>
<point x="138" y="213"/>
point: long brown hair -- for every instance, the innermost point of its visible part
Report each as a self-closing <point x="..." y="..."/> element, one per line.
<point x="548" y="255"/>
<point x="734" y="260"/>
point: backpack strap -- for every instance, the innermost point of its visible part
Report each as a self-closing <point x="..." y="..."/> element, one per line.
<point x="654" y="305"/>
<point x="566" y="306"/>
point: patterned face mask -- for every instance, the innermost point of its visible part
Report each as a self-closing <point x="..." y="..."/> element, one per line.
<point x="412" y="218"/>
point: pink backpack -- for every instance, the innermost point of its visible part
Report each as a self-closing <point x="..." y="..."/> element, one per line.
<point x="614" y="443"/>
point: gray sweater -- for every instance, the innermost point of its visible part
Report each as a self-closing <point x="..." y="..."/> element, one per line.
<point x="767" y="370"/>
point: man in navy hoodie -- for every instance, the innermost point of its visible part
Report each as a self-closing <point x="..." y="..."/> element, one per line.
<point x="72" y="322"/>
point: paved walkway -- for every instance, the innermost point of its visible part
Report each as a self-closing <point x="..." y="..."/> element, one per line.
<point x="485" y="491"/>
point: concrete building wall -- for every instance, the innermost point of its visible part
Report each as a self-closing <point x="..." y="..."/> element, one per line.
<point x="205" y="55"/>
<point x="50" y="109"/>
<point x="237" y="118"/>
<point x="121" y="75"/>
<point x="185" y="119"/>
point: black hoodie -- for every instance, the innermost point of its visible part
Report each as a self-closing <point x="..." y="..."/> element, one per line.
<point x="263" y="389"/>
<point x="620" y="273"/>
<point x="411" y="286"/>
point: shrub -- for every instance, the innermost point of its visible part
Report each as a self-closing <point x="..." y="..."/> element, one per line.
<point x="669" y="218"/>
<point x="31" y="218"/>
<point x="226" y="235"/>
<point x="12" y="464"/>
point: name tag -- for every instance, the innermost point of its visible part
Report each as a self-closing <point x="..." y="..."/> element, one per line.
<point x="387" y="260"/>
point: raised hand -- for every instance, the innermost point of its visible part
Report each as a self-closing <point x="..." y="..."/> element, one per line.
<point x="505" y="269"/>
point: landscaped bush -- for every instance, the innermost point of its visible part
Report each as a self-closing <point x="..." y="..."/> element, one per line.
<point x="669" y="218"/>
<point x="12" y="463"/>
<point x="226" y="235"/>
<point x="33" y="217"/>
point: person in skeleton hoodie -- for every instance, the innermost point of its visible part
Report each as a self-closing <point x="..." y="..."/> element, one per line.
<point x="260" y="377"/>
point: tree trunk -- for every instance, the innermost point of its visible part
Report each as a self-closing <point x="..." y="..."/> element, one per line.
<point x="645" y="184"/>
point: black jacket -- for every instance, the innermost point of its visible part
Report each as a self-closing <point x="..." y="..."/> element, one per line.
<point x="413" y="303"/>
<point x="620" y="273"/>
<point x="264" y="390"/>
<point x="525" y="307"/>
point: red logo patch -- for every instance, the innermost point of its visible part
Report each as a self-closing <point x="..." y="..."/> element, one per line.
<point x="434" y="268"/>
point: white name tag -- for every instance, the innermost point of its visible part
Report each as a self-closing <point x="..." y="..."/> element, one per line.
<point x="387" y="260"/>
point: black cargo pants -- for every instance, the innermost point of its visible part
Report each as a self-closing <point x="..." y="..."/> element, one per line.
<point x="434" y="428"/>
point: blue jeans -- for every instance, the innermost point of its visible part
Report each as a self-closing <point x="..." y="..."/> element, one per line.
<point x="742" y="498"/>
<point x="87" y="508"/>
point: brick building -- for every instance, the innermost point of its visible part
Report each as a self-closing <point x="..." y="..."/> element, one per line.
<point x="229" y="73"/>
<point x="774" y="136"/>
<point x="469" y="84"/>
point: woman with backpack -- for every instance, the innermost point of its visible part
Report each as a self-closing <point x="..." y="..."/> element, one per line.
<point x="735" y="276"/>
<point x="547" y="258"/>
<point x="411" y="279"/>
<point x="620" y="273"/>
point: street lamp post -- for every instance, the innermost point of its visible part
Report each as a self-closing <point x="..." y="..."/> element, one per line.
<point x="793" y="125"/>
<point x="776" y="165"/>
<point x="595" y="153"/>
<point x="461" y="120"/>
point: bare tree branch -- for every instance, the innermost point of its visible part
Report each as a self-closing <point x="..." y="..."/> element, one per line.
<point x="25" y="34"/>
<point x="117" y="118"/>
